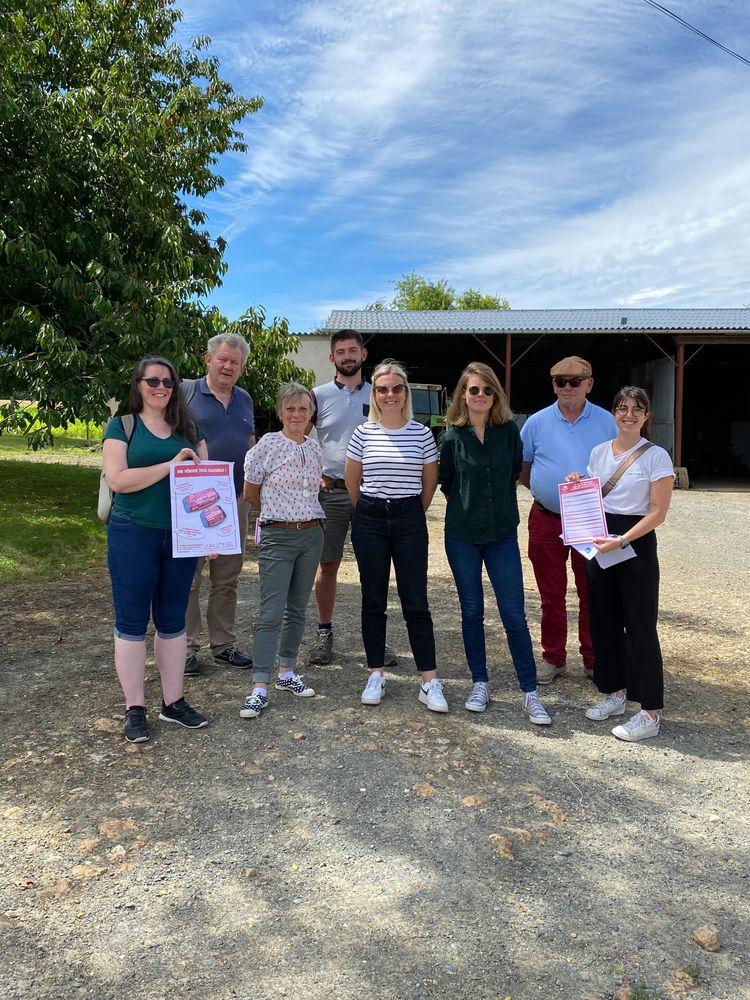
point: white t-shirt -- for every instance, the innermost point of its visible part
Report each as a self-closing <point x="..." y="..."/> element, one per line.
<point x="289" y="477"/>
<point x="392" y="461"/>
<point x="631" y="492"/>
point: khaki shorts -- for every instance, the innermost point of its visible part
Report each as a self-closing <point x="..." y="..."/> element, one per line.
<point x="338" y="509"/>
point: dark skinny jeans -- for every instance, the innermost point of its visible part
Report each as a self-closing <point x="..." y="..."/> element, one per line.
<point x="385" y="531"/>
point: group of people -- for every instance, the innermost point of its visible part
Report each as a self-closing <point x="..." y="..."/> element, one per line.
<point x="374" y="469"/>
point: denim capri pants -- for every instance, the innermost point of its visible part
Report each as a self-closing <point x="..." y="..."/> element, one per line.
<point x="146" y="580"/>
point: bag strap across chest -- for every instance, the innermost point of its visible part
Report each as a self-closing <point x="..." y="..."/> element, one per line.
<point x="624" y="466"/>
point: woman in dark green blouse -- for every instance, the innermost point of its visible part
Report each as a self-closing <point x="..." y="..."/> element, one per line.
<point x="480" y="462"/>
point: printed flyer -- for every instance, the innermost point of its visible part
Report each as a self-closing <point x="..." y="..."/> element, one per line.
<point x="204" y="509"/>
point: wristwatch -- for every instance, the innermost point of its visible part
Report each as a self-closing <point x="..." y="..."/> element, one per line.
<point x="623" y="542"/>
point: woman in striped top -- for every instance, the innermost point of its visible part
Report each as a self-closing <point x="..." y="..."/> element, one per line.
<point x="391" y="476"/>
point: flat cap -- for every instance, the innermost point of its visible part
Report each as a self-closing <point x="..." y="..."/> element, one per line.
<point x="573" y="366"/>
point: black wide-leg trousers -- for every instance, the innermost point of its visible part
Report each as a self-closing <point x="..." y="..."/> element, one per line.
<point x="623" y="613"/>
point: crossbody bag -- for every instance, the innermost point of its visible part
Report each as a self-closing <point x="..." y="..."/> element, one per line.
<point x="615" y="477"/>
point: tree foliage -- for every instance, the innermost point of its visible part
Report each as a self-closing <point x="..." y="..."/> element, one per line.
<point x="416" y="292"/>
<point x="109" y="136"/>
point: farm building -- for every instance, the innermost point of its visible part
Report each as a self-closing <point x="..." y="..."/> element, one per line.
<point x="695" y="363"/>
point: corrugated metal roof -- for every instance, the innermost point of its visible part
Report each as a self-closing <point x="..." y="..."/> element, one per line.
<point x="536" y="320"/>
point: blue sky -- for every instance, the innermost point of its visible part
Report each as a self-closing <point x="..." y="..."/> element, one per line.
<point x="563" y="154"/>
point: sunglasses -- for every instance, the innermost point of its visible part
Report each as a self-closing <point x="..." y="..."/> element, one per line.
<point x="154" y="383"/>
<point x="474" y="390"/>
<point x="383" y="390"/>
<point x="560" y="381"/>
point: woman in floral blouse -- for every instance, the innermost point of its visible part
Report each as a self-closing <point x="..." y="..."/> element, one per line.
<point x="282" y="474"/>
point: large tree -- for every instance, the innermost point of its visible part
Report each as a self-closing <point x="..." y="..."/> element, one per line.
<point x="416" y="292"/>
<point x="109" y="136"/>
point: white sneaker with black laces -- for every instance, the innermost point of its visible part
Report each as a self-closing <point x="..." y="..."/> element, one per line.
<point x="374" y="689"/>
<point x="535" y="710"/>
<point x="431" y="695"/>
<point x="479" y="698"/>
<point x="640" y="727"/>
<point x="611" y="704"/>
<point x="295" y="685"/>
<point x="254" y="705"/>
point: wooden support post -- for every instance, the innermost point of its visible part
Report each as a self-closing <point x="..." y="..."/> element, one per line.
<point x="508" y="365"/>
<point x="678" y="399"/>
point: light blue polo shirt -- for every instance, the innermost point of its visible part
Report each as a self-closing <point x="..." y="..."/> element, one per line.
<point x="555" y="447"/>
<point x="338" y="410"/>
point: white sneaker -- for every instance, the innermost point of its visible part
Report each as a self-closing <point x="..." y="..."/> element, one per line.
<point x="432" y="696"/>
<point x="374" y="689"/>
<point x="639" y="727"/>
<point x="611" y="704"/>
<point x="479" y="698"/>
<point x="535" y="710"/>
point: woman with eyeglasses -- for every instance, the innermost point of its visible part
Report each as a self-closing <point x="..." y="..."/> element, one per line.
<point x="391" y="477"/>
<point x="147" y="581"/>
<point x="624" y="597"/>
<point x="480" y="462"/>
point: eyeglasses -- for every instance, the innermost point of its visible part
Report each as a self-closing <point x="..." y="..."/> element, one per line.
<point x="560" y="381"/>
<point x="168" y="383"/>
<point x="383" y="390"/>
<point x="474" y="390"/>
<point x="623" y="411"/>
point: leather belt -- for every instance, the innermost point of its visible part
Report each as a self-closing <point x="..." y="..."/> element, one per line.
<point x="292" y="525"/>
<point x="544" y="510"/>
<point x="334" y="484"/>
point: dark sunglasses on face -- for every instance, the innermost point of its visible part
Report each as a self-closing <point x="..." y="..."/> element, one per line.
<point x="383" y="390"/>
<point x="168" y="383"/>
<point x="474" y="390"/>
<point x="560" y="381"/>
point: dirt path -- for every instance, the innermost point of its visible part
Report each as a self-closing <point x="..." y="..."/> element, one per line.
<point x="327" y="850"/>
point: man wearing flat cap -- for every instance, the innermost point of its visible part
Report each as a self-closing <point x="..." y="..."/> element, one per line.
<point x="556" y="441"/>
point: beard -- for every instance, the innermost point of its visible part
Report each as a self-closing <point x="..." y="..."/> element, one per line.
<point x="349" y="369"/>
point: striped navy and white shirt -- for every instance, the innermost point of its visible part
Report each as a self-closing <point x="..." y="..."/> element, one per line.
<point x="392" y="461"/>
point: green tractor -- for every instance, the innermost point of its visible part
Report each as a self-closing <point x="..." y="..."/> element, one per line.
<point x="429" y="403"/>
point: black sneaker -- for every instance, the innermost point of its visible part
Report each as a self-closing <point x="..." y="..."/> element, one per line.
<point x="136" y="725"/>
<point x="234" y="658"/>
<point x="192" y="667"/>
<point x="181" y="713"/>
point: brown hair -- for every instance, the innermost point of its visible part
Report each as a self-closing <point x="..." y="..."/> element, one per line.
<point x="639" y="396"/>
<point x="458" y="412"/>
<point x="176" y="412"/>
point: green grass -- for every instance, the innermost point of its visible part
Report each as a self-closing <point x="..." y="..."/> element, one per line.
<point x="16" y="444"/>
<point x="48" y="518"/>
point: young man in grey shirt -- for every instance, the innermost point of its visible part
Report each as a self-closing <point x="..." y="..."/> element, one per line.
<point x="340" y="406"/>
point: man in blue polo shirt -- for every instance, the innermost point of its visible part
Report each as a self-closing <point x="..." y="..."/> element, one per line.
<point x="226" y="415"/>
<point x="556" y="441"/>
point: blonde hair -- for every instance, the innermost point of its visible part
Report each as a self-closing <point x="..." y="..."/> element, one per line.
<point x="389" y="367"/>
<point x="458" y="412"/>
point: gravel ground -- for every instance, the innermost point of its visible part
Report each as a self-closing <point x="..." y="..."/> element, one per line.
<point x="328" y="850"/>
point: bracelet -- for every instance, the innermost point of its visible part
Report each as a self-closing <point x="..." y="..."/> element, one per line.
<point x="623" y="542"/>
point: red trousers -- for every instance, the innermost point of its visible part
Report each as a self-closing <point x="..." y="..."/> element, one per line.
<point x="549" y="558"/>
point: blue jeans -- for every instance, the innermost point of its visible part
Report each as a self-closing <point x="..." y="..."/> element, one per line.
<point x="147" y="580"/>
<point x="385" y="531"/>
<point x="503" y="561"/>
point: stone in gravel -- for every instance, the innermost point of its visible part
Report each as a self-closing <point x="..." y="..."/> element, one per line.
<point x="707" y="937"/>
<point x="89" y="845"/>
<point x="471" y="801"/>
<point x="251" y="873"/>
<point x="624" y="993"/>
<point x="424" y="790"/>
<point x="298" y="736"/>
<point x="60" y="888"/>
<point x="501" y="846"/>
<point x="86" y="871"/>
<point x="117" y="853"/>
<point x="107" y="726"/>
<point x="112" y="828"/>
